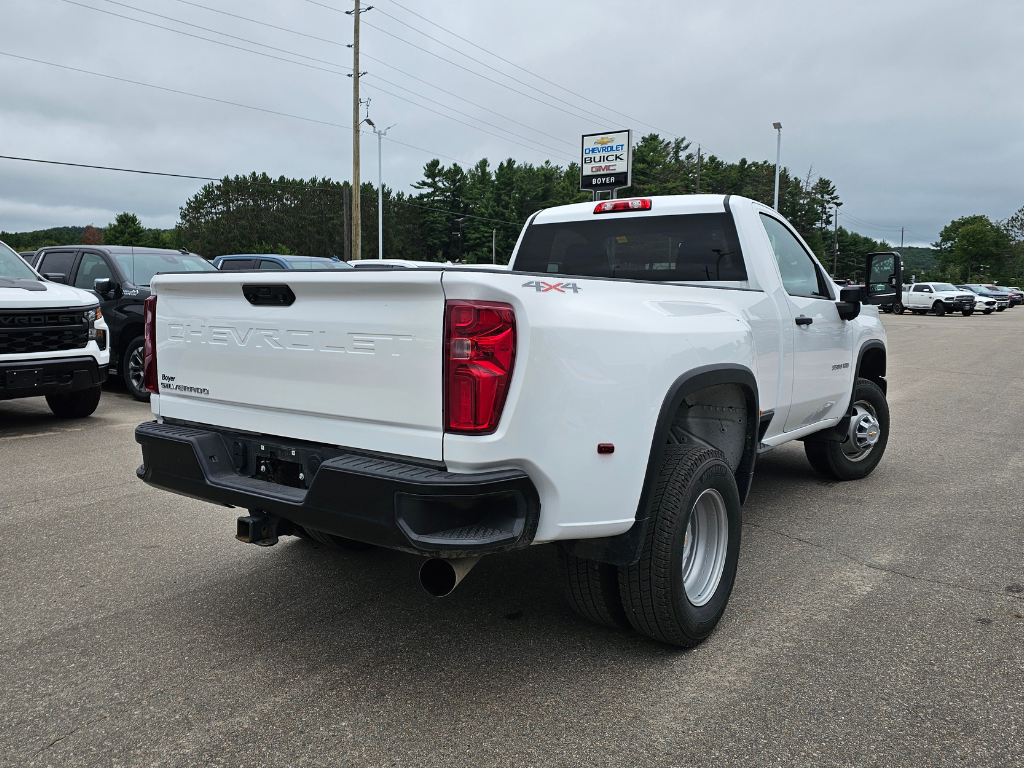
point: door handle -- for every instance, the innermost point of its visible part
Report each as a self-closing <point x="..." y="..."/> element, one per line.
<point x="804" y="320"/>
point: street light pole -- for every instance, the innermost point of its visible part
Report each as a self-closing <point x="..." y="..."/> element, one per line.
<point x="835" y="242"/>
<point x="380" y="185"/>
<point x="778" y="159"/>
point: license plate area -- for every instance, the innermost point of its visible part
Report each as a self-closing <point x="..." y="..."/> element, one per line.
<point x="283" y="465"/>
<point x="26" y="379"/>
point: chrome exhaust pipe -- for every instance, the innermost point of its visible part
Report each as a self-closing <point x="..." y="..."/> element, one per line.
<point x="440" y="576"/>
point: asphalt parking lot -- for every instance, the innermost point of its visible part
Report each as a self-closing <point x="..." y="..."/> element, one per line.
<point x="872" y="623"/>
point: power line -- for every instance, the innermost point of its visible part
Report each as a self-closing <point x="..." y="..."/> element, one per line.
<point x="500" y="58"/>
<point x="219" y="101"/>
<point x="298" y="63"/>
<point x="200" y="37"/>
<point x="245" y="181"/>
<point x="483" y="77"/>
<point x="367" y="56"/>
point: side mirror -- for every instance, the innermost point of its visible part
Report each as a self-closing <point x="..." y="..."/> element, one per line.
<point x="883" y="273"/>
<point x="103" y="286"/>
<point x="849" y="302"/>
<point x="854" y="293"/>
<point x="56" y="277"/>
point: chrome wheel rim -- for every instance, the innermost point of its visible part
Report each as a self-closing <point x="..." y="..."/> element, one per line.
<point x="704" y="548"/>
<point x="864" y="432"/>
<point x="136" y="371"/>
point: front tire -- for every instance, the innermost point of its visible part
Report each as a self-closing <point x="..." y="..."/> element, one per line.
<point x="678" y="590"/>
<point x="132" y="367"/>
<point x="859" y="453"/>
<point x="939" y="308"/>
<point x="968" y="312"/>
<point x="75" y="405"/>
<point x="897" y="308"/>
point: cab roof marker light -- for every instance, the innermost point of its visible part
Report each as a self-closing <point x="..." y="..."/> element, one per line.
<point x="618" y="206"/>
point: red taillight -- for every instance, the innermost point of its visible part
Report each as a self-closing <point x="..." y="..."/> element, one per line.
<point x="619" y="206"/>
<point x="149" y="345"/>
<point x="479" y="350"/>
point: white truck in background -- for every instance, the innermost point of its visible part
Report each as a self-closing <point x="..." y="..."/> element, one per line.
<point x="940" y="298"/>
<point x="609" y="393"/>
<point x="53" y="340"/>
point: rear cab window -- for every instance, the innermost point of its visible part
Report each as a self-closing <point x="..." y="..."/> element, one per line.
<point x="678" y="248"/>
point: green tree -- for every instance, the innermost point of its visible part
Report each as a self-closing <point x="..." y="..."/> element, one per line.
<point x="126" y="229"/>
<point x="975" y="248"/>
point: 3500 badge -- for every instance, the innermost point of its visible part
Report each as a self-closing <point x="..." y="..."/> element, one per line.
<point x="541" y="287"/>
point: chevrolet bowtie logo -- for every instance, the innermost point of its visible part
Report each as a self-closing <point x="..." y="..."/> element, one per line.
<point x="603" y="141"/>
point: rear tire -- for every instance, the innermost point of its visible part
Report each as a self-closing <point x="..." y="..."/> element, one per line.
<point x="331" y="541"/>
<point x="897" y="308"/>
<point x="132" y="369"/>
<point x="679" y="588"/>
<point x="592" y="589"/>
<point x="939" y="309"/>
<point x="75" y="405"/>
<point x="850" y="459"/>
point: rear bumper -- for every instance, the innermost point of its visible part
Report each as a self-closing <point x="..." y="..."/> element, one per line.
<point x="49" y="376"/>
<point x="387" y="501"/>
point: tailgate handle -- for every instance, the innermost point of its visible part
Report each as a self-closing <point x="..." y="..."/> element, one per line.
<point x="268" y="295"/>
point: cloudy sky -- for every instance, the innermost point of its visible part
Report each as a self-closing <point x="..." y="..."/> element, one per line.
<point x="913" y="109"/>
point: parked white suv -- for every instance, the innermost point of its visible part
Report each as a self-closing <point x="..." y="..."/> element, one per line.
<point x="940" y="298"/>
<point x="53" y="341"/>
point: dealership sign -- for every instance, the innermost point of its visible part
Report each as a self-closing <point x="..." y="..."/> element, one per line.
<point x="606" y="161"/>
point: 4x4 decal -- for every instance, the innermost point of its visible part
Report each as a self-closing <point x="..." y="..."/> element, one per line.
<point x="541" y="287"/>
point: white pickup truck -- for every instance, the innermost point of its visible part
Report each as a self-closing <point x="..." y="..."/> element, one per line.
<point x="940" y="298"/>
<point x="609" y="392"/>
<point x="53" y="340"/>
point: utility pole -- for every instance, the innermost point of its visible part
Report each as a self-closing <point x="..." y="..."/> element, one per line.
<point x="778" y="159"/>
<point x="357" y="234"/>
<point x="380" y="184"/>
<point x="901" y="238"/>
<point x="698" y="169"/>
<point x="494" y="246"/>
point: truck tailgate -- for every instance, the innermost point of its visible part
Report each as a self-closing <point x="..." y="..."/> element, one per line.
<point x="354" y="361"/>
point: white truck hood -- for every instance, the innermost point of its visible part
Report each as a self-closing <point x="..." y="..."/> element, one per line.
<point x="54" y="295"/>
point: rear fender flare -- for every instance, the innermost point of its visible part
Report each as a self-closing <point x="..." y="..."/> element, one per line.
<point x="625" y="548"/>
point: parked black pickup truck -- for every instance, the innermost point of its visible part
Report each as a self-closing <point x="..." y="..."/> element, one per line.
<point x="119" y="275"/>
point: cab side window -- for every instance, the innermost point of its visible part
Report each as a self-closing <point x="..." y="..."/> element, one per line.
<point x="267" y="264"/>
<point x="800" y="275"/>
<point x="92" y="267"/>
<point x="57" y="261"/>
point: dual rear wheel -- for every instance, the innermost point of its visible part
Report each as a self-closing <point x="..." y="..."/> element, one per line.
<point x="678" y="590"/>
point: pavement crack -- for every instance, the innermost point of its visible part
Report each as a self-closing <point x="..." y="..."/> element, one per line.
<point x="876" y="567"/>
<point x="71" y="733"/>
